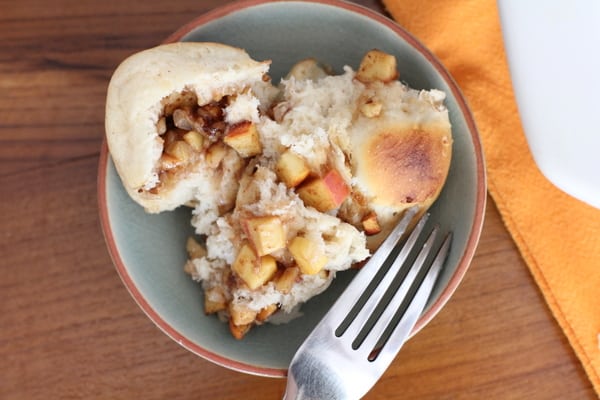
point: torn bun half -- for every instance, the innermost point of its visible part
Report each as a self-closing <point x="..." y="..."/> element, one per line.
<point x="401" y="158"/>
<point x="155" y="97"/>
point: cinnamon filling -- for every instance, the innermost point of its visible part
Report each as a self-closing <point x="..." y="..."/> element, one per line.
<point x="187" y="131"/>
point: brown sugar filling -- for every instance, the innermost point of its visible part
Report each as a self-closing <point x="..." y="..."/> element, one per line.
<point x="187" y="131"/>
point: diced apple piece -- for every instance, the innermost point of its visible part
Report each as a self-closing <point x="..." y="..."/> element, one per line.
<point x="238" y="331"/>
<point x="371" y="224"/>
<point x="244" y="139"/>
<point x="169" y="137"/>
<point x="377" y="66"/>
<point x="286" y="280"/>
<point x="161" y="126"/>
<point x="194" y="139"/>
<point x="308" y="69"/>
<point x="215" y="154"/>
<point x="252" y="269"/>
<point x="266" y="312"/>
<point x="214" y="300"/>
<point x="324" y="193"/>
<point x="307" y="255"/>
<point x="266" y="234"/>
<point x="241" y="315"/>
<point x="168" y="162"/>
<point x="212" y="307"/>
<point x="189" y="269"/>
<point x="291" y="169"/>
<point x="180" y="150"/>
<point x="194" y="249"/>
<point x="371" y="108"/>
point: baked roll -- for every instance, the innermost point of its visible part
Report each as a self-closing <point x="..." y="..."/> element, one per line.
<point x="400" y="158"/>
<point x="165" y="109"/>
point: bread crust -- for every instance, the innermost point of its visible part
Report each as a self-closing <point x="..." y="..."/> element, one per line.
<point x="403" y="166"/>
<point x="400" y="161"/>
<point x="134" y="106"/>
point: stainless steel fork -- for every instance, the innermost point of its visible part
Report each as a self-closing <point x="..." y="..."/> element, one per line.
<point x="361" y="334"/>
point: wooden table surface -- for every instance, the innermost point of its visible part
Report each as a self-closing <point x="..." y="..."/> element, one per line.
<point x="68" y="327"/>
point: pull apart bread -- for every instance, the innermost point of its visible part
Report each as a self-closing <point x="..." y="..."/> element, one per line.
<point x="289" y="183"/>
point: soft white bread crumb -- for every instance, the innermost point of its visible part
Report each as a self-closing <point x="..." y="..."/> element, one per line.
<point x="244" y="107"/>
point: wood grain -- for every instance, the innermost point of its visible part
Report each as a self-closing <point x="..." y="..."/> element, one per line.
<point x="68" y="327"/>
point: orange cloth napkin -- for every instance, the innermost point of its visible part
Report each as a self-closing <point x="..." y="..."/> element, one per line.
<point x="558" y="236"/>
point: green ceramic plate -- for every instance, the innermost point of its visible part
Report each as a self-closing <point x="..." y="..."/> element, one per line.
<point x="149" y="250"/>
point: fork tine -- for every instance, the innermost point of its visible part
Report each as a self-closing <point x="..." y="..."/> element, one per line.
<point x="374" y="298"/>
<point x="391" y="308"/>
<point x="416" y="306"/>
<point x="361" y="281"/>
